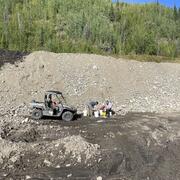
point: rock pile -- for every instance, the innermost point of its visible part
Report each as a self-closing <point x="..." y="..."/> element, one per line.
<point x="131" y="85"/>
<point x="78" y="146"/>
<point x="75" y="147"/>
<point x="16" y="142"/>
<point x="10" y="151"/>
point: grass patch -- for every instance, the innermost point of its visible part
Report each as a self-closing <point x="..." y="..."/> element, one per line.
<point x="149" y="58"/>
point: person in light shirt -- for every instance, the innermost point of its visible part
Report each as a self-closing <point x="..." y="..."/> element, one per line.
<point x="108" y="107"/>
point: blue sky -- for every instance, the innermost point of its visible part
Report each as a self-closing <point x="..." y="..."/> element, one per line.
<point x="169" y="3"/>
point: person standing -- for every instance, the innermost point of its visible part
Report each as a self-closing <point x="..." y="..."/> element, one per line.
<point x="108" y="107"/>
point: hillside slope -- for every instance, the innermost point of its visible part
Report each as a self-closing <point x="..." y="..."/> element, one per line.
<point x="89" y="26"/>
<point x="131" y="85"/>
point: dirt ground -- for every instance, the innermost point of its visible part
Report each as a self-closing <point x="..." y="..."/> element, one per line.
<point x="136" y="146"/>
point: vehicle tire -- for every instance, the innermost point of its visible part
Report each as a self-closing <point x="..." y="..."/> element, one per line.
<point x="37" y="114"/>
<point x="67" y="116"/>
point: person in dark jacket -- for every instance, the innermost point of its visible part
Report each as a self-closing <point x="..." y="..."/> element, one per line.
<point x="91" y="105"/>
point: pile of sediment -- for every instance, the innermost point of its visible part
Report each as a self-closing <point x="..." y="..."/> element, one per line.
<point x="130" y="85"/>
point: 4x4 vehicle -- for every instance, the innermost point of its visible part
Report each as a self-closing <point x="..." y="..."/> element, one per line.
<point x="54" y="105"/>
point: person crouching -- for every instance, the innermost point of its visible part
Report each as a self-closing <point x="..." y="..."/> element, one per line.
<point x="91" y="107"/>
<point x="108" y="108"/>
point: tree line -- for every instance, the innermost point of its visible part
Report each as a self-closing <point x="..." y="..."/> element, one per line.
<point x="91" y="26"/>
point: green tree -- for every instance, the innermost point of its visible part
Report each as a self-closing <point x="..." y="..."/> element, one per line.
<point x="92" y="26"/>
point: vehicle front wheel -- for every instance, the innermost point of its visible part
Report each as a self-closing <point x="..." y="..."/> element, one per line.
<point x="67" y="116"/>
<point x="37" y="114"/>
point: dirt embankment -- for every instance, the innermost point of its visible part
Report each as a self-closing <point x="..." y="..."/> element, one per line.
<point x="132" y="86"/>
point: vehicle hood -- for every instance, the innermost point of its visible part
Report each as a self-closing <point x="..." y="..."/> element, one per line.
<point x="72" y="108"/>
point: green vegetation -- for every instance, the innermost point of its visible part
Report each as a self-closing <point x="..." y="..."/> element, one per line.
<point x="91" y="26"/>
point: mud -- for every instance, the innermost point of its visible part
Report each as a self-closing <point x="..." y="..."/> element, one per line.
<point x="136" y="146"/>
<point x="20" y="135"/>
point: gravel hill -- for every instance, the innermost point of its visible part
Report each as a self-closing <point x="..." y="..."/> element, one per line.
<point x="131" y="85"/>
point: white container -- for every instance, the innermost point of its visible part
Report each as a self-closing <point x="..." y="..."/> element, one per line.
<point x="110" y="114"/>
<point x="85" y="113"/>
<point x="96" y="114"/>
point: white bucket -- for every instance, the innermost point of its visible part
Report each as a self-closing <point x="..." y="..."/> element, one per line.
<point x="85" y="113"/>
<point x="96" y="114"/>
<point x="110" y="114"/>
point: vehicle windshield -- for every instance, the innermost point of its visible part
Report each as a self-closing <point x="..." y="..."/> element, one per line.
<point x="60" y="99"/>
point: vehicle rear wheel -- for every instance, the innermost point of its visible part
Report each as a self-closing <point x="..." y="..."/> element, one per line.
<point x="67" y="116"/>
<point x="37" y="114"/>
